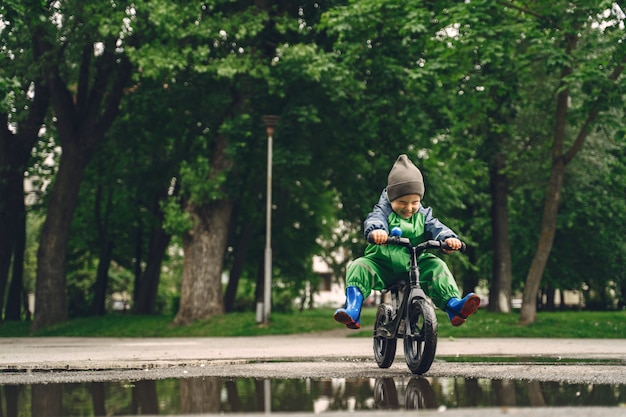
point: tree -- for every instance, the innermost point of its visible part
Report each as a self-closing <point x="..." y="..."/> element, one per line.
<point x="86" y="75"/>
<point x="403" y="105"/>
<point x="132" y="172"/>
<point x="592" y="209"/>
<point x="589" y="58"/>
<point x="478" y="37"/>
<point x="226" y="153"/>
<point x="508" y="45"/>
<point x="355" y="84"/>
<point x="205" y="200"/>
<point x="24" y="107"/>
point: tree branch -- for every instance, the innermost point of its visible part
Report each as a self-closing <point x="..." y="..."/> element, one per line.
<point x="83" y="77"/>
<point x="113" y="99"/>
<point x="591" y="117"/>
<point x="59" y="94"/>
<point x="530" y="12"/>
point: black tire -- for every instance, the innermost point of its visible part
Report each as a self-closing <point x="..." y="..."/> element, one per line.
<point x="386" y="394"/>
<point x="420" y="336"/>
<point x="419" y="395"/>
<point x="384" y="348"/>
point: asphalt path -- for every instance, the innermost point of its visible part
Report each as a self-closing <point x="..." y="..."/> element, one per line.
<point x="332" y="354"/>
<point x="321" y="355"/>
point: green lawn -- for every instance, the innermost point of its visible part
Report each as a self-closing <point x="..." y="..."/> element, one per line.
<point x="575" y="324"/>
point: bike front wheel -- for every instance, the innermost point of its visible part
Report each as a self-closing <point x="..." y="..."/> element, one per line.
<point x="420" y="336"/>
<point x="384" y="347"/>
<point x="386" y="394"/>
<point x="419" y="394"/>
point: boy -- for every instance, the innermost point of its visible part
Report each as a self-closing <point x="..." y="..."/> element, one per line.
<point x="399" y="206"/>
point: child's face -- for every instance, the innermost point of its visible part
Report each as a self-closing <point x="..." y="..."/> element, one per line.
<point x="406" y="205"/>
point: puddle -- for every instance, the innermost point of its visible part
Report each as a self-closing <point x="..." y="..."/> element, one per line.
<point x="237" y="395"/>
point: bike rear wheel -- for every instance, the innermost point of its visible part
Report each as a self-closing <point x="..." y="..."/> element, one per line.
<point x="420" y="336"/>
<point x="386" y="394"/>
<point x="384" y="347"/>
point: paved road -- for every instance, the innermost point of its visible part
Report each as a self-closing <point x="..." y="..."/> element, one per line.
<point x="318" y="355"/>
<point x="57" y="360"/>
<point x="107" y="353"/>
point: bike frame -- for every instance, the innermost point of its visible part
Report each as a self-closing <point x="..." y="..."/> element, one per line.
<point x="409" y="290"/>
<point x="412" y="319"/>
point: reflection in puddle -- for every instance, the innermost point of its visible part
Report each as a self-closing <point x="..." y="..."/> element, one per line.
<point x="227" y="395"/>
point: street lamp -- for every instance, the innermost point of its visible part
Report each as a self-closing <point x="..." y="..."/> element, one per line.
<point x="270" y="122"/>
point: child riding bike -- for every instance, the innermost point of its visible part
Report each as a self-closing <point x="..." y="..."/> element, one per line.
<point x="382" y="265"/>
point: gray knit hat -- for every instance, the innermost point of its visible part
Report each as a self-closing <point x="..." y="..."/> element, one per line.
<point x="404" y="178"/>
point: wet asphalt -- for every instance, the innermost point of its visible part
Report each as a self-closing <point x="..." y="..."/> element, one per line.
<point x="322" y="355"/>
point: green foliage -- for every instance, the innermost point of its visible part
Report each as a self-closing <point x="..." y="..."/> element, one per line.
<point x="450" y="86"/>
<point x="176" y="221"/>
<point x="592" y="201"/>
<point x="201" y="182"/>
<point x="504" y="64"/>
<point x="355" y="83"/>
<point x="8" y="85"/>
<point x="33" y="229"/>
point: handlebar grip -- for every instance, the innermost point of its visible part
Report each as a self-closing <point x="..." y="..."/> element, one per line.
<point x="391" y="240"/>
<point x="462" y="249"/>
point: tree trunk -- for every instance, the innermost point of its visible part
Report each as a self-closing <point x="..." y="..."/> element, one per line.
<point x="241" y="253"/>
<point x="535" y="394"/>
<point x="504" y="391"/>
<point x="550" y="299"/>
<point x="232" y="394"/>
<point x="50" y="296"/>
<point x="137" y="267"/>
<point x="146" y="294"/>
<point x="204" y="246"/>
<point x="46" y="400"/>
<point x="200" y="395"/>
<point x="98" y="398"/>
<point x="13" y="309"/>
<point x="11" y="198"/>
<point x="12" y="393"/>
<point x="102" y="278"/>
<point x="106" y="250"/>
<point x="145" y="398"/>
<point x="560" y="159"/>
<point x="528" y="312"/>
<point x="83" y="117"/>
<point x="500" y="293"/>
<point x="15" y="150"/>
<point x="147" y="284"/>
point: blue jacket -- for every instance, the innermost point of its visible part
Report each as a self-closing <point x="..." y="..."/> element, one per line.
<point x="378" y="219"/>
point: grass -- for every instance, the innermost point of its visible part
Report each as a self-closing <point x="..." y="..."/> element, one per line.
<point x="570" y="324"/>
<point x="563" y="324"/>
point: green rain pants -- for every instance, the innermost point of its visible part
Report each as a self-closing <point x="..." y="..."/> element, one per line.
<point x="369" y="274"/>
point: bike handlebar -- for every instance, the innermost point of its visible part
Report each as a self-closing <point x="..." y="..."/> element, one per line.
<point x="429" y="244"/>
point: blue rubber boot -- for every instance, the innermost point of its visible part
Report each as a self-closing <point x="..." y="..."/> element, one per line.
<point x="460" y="309"/>
<point x="351" y="314"/>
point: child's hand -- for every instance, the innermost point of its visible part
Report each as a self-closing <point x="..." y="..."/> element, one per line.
<point x="453" y="243"/>
<point x="378" y="236"/>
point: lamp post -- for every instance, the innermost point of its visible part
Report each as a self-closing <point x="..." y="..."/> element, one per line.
<point x="270" y="122"/>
